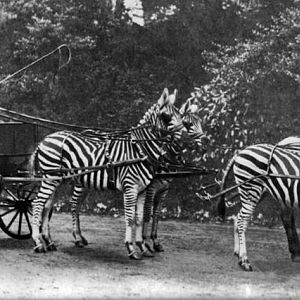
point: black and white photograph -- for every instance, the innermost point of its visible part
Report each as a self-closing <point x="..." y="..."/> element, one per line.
<point x="149" y="149"/>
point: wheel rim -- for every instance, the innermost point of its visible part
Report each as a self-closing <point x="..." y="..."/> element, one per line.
<point x="16" y="209"/>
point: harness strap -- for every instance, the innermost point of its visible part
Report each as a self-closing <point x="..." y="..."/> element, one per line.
<point x="270" y="159"/>
<point x="111" y="176"/>
<point x="61" y="150"/>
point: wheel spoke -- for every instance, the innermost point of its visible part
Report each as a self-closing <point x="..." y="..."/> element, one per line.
<point x="29" y="193"/>
<point x="11" y="194"/>
<point x="20" y="223"/>
<point x="12" y="220"/>
<point x="7" y="212"/>
<point x="16" y="209"/>
<point x="7" y="204"/>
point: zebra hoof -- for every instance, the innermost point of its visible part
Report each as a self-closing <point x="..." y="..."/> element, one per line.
<point x="79" y="244"/>
<point x="245" y="265"/>
<point x="158" y="248"/>
<point x="39" y="249"/>
<point x="80" y="241"/>
<point x="84" y="241"/>
<point x="147" y="253"/>
<point x="295" y="257"/>
<point x="135" y="255"/>
<point x="51" y="247"/>
<point x="148" y="247"/>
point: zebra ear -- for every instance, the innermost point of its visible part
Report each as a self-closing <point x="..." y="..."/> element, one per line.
<point x="164" y="97"/>
<point x="193" y="108"/>
<point x="184" y="107"/>
<point x="190" y="106"/>
<point x="172" y="97"/>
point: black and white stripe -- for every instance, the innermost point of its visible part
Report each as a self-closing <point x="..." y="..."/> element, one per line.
<point x="72" y="150"/>
<point x="254" y="168"/>
<point x="158" y="189"/>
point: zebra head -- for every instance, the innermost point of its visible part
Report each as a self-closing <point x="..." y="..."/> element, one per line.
<point x="165" y="116"/>
<point x="191" y="121"/>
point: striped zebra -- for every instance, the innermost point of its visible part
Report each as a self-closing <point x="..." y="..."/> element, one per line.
<point x="160" y="125"/>
<point x="158" y="189"/>
<point x="195" y="140"/>
<point x="259" y="168"/>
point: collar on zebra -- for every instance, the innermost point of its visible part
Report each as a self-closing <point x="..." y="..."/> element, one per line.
<point x="161" y="135"/>
<point x="270" y="158"/>
<point x="170" y="157"/>
<point x="121" y="135"/>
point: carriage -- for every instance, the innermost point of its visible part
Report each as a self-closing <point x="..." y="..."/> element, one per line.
<point x="17" y="141"/>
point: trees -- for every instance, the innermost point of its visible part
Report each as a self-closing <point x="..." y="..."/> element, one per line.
<point x="117" y="66"/>
<point x="95" y="86"/>
<point x="262" y="74"/>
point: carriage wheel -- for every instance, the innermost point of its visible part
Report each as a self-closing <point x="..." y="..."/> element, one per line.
<point x="16" y="209"/>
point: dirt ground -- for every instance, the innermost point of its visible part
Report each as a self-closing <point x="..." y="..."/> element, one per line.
<point x="198" y="262"/>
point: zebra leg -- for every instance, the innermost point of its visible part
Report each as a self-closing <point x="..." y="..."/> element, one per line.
<point x="147" y="214"/>
<point x="75" y="204"/>
<point x="38" y="216"/>
<point x="130" y="199"/>
<point x="242" y="223"/>
<point x="46" y="216"/>
<point x="236" y="249"/>
<point x="157" y="205"/>
<point x="288" y="220"/>
<point x="139" y="225"/>
<point x="249" y="197"/>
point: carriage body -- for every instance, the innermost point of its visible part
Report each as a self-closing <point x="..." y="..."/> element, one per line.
<point x="17" y="142"/>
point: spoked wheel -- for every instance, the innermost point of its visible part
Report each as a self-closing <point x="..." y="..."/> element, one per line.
<point x="16" y="209"/>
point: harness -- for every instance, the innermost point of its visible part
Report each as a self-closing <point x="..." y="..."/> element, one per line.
<point x="142" y="153"/>
<point x="267" y="174"/>
<point x="270" y="159"/>
<point x="111" y="170"/>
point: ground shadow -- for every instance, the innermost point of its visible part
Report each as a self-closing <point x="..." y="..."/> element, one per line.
<point x="12" y="244"/>
<point x="281" y="267"/>
<point x="99" y="254"/>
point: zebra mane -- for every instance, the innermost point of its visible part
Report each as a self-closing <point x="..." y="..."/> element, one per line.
<point x="150" y="115"/>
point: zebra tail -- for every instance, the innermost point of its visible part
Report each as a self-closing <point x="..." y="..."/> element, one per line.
<point x="221" y="205"/>
<point x="33" y="162"/>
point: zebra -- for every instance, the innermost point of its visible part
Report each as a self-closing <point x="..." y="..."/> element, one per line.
<point x="158" y="189"/>
<point x="265" y="168"/>
<point x="161" y="124"/>
<point x="195" y="140"/>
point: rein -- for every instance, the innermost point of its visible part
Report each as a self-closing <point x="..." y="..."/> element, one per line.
<point x="125" y="135"/>
<point x="209" y="197"/>
<point x="61" y="171"/>
<point x="267" y="174"/>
